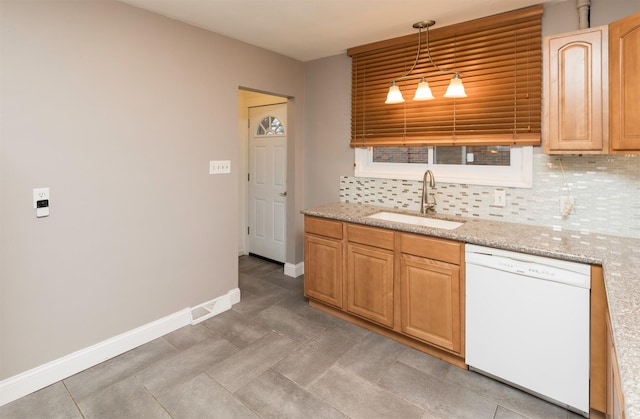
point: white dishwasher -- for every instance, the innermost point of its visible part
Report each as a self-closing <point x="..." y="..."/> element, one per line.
<point x="527" y="323"/>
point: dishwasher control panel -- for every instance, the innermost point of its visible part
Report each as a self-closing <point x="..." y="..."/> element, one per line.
<point x="567" y="272"/>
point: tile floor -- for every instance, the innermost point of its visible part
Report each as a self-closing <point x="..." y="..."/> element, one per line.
<point x="274" y="356"/>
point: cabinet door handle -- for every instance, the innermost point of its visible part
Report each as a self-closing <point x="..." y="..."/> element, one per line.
<point x="283" y="193"/>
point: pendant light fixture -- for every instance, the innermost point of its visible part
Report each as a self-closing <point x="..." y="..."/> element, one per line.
<point x="423" y="92"/>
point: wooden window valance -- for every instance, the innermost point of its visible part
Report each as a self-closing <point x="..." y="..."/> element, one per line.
<point x="500" y="61"/>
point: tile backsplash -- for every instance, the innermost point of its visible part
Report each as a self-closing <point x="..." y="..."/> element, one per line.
<point x="605" y="191"/>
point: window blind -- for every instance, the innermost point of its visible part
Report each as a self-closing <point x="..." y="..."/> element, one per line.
<point x="500" y="61"/>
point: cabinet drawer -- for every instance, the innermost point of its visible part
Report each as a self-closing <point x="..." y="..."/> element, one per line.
<point x="370" y="236"/>
<point x="432" y="248"/>
<point x="323" y="227"/>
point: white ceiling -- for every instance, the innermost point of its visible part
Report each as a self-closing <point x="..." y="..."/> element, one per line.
<point x="312" y="29"/>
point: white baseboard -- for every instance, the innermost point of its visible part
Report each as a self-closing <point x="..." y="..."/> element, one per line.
<point x="42" y="376"/>
<point x="294" y="270"/>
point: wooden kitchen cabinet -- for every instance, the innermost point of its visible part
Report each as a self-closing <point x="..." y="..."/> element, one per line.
<point x="605" y="388"/>
<point x="323" y="260"/>
<point x="432" y="299"/>
<point x="408" y="287"/>
<point x="575" y="92"/>
<point x="370" y="273"/>
<point x="624" y="87"/>
<point x="615" y="400"/>
<point x="598" y="349"/>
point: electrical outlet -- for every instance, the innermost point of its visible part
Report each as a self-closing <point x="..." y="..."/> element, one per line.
<point x="217" y="167"/>
<point x="499" y="198"/>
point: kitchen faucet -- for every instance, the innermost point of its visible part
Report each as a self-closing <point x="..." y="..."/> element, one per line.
<point x="428" y="181"/>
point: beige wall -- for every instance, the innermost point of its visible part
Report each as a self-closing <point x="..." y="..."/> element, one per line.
<point x="327" y="128"/>
<point x="118" y="111"/>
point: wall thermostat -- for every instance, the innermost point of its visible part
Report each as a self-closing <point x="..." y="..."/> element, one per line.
<point x="41" y="202"/>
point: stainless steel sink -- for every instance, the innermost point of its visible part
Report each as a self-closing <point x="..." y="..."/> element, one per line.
<point x="416" y="220"/>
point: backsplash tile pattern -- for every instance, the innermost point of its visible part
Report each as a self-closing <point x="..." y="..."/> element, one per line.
<point x="605" y="189"/>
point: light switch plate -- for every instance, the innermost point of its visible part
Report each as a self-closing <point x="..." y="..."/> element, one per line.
<point x="217" y="167"/>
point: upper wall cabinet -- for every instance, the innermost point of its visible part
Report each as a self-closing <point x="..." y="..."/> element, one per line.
<point x="575" y="93"/>
<point x="624" y="88"/>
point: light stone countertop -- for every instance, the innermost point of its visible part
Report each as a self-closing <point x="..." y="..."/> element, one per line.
<point x="619" y="257"/>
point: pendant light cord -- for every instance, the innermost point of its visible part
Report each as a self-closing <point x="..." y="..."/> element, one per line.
<point x="442" y="70"/>
<point x="437" y="67"/>
<point x="417" y="55"/>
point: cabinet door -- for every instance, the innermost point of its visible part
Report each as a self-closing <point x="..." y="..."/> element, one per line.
<point x="370" y="283"/>
<point x="575" y="83"/>
<point x="430" y="301"/>
<point x="323" y="270"/>
<point x="624" y="73"/>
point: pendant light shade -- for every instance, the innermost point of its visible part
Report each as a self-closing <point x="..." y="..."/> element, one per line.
<point x="456" y="88"/>
<point x="394" y="95"/>
<point x="423" y="92"/>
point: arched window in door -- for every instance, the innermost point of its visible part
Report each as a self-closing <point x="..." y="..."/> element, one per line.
<point x="270" y="125"/>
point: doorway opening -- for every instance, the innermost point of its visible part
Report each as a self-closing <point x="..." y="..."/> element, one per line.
<point x="262" y="177"/>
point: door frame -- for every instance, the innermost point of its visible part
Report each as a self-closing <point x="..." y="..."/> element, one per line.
<point x="268" y="246"/>
<point x="246" y="99"/>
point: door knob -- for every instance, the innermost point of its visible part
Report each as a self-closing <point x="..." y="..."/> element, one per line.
<point x="283" y="193"/>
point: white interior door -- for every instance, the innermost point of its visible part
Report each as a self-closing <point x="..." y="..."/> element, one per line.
<point x="268" y="181"/>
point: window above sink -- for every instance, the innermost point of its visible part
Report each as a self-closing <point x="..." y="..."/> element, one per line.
<point x="518" y="173"/>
